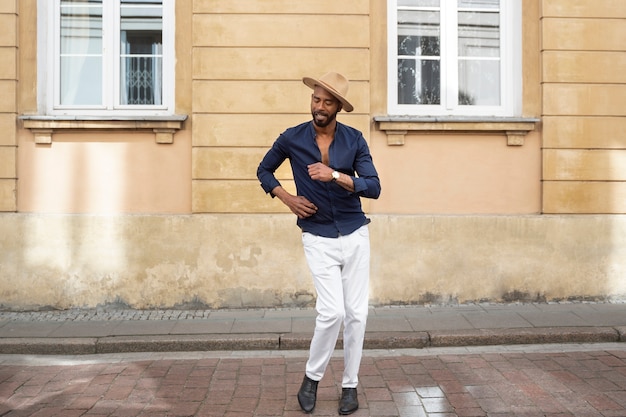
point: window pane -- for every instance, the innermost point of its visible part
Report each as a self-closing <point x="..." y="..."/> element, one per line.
<point x="81" y="80"/>
<point x="479" y="4"/>
<point x="479" y="82"/>
<point x="419" y="81"/>
<point x="418" y="33"/>
<point x="418" y="46"/>
<point x="141" y="52"/>
<point x="419" y="54"/>
<point x="479" y="34"/>
<point x="418" y="3"/>
<point x="81" y="53"/>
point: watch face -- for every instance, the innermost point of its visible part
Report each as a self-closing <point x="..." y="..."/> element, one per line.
<point x="335" y="175"/>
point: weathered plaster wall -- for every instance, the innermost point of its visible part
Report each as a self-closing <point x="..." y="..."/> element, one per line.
<point x="235" y="261"/>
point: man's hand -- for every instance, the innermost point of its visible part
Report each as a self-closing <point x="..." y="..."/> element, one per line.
<point x="320" y="172"/>
<point x="299" y="205"/>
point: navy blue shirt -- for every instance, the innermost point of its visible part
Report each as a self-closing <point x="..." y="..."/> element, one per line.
<point x="339" y="211"/>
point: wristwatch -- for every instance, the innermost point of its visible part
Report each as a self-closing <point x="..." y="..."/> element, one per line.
<point x="335" y="175"/>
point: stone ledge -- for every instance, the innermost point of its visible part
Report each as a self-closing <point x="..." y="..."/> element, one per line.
<point x="397" y="127"/>
<point x="43" y="127"/>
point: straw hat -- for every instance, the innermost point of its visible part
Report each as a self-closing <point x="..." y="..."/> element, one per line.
<point x="336" y="84"/>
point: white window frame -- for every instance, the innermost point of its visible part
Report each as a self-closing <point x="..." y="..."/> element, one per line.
<point x="511" y="64"/>
<point x="48" y="64"/>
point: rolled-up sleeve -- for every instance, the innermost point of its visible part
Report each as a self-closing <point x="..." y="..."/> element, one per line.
<point x="268" y="166"/>
<point x="367" y="183"/>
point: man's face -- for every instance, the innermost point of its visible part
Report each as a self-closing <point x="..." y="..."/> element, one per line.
<point x="324" y="107"/>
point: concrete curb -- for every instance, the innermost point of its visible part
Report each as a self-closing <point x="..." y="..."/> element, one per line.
<point x="483" y="337"/>
<point x="300" y="341"/>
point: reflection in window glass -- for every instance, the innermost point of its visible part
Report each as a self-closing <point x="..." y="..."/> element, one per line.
<point x="419" y="54"/>
<point x="81" y="53"/>
<point x="418" y="3"/>
<point x="479" y="4"/>
<point x="479" y="83"/>
<point x="479" y="34"/>
<point x="479" y="54"/>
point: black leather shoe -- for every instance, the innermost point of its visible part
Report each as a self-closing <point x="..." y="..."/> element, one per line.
<point x="307" y="394"/>
<point x="349" y="402"/>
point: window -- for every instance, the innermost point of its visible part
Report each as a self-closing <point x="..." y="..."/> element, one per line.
<point x="454" y="57"/>
<point x="109" y="57"/>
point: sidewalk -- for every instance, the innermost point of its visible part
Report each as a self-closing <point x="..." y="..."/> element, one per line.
<point x="75" y="332"/>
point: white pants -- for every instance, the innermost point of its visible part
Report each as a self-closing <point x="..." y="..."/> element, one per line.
<point x="340" y="268"/>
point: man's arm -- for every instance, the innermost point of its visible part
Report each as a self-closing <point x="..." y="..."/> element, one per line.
<point x="345" y="181"/>
<point x="367" y="184"/>
<point x="320" y="172"/>
<point x="299" y="205"/>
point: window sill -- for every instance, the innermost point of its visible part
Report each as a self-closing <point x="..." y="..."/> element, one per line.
<point x="397" y="127"/>
<point x="43" y="127"/>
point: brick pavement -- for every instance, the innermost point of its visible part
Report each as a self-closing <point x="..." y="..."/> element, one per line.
<point x="497" y="381"/>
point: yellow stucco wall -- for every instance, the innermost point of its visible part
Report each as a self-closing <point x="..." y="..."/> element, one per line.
<point x="8" y="104"/>
<point x="115" y="217"/>
<point x="584" y="106"/>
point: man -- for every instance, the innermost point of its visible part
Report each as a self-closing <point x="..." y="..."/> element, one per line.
<point x="332" y="168"/>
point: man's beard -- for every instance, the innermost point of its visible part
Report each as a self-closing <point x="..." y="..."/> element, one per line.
<point x="324" y="122"/>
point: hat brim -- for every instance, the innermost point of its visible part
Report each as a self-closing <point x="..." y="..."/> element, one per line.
<point x="312" y="82"/>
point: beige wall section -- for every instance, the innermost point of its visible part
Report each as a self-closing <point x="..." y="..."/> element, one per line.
<point x="459" y="174"/>
<point x="8" y="191"/>
<point x="584" y="99"/>
<point x="583" y="8"/>
<point x="584" y="106"/>
<point x="260" y="63"/>
<point x="245" y="97"/>
<point x="531" y="59"/>
<point x="8" y="63"/>
<point x="280" y="7"/>
<point x="149" y="261"/>
<point x="234" y="130"/>
<point x="578" y="34"/>
<point x="584" y="67"/>
<point x="584" y="132"/>
<point x="9" y="93"/>
<point x="104" y="173"/>
<point x="585" y="165"/>
<point x="8" y="6"/>
<point x="184" y="51"/>
<point x="8" y="105"/>
<point x="583" y="197"/>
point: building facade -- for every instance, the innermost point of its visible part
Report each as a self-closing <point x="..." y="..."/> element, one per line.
<point x="131" y="132"/>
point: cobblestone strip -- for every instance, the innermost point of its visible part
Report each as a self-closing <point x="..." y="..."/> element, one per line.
<point x="112" y="313"/>
<point x="103" y="315"/>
